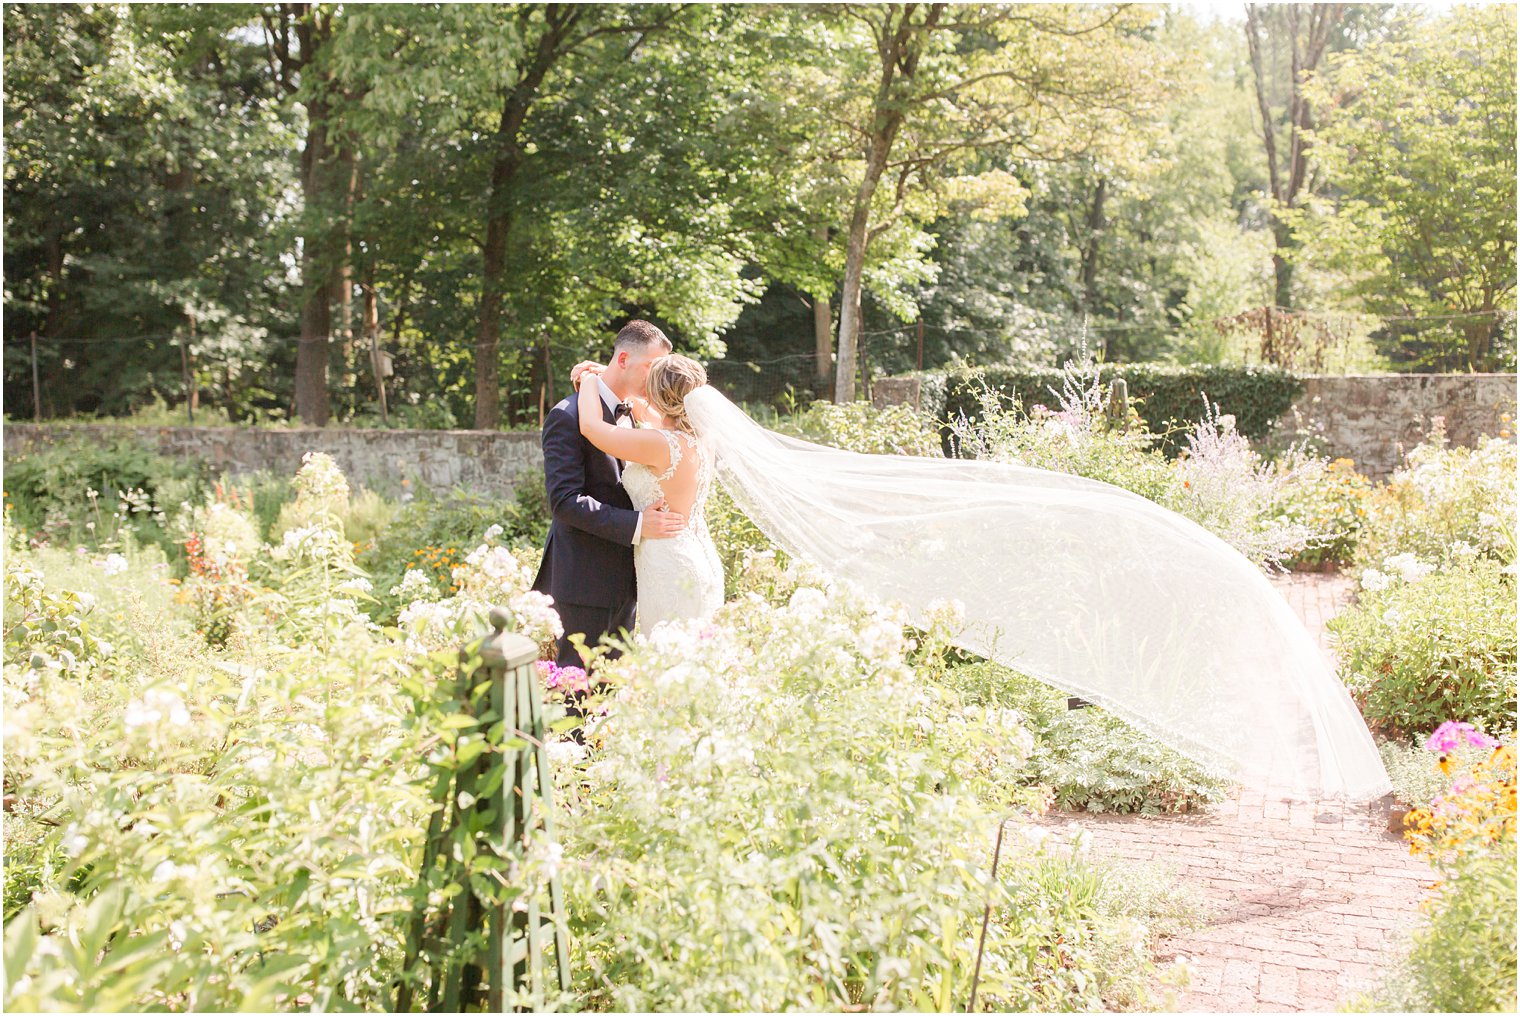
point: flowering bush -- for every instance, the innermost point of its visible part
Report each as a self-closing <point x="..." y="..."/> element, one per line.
<point x="1475" y="812"/>
<point x="1329" y="498"/>
<point x="1421" y="646"/>
<point x="1463" y="958"/>
<point x="1444" y="505"/>
<point x="1223" y="485"/>
<point x="778" y="813"/>
<point x="1217" y="480"/>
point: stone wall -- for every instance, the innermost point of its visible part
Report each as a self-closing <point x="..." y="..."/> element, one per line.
<point x="1370" y="418"/>
<point x="384" y="460"/>
<point x="1375" y="418"/>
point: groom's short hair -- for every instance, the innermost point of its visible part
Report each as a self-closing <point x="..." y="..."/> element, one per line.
<point x="639" y="335"/>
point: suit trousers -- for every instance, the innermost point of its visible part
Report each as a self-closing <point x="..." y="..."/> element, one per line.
<point x="592" y="622"/>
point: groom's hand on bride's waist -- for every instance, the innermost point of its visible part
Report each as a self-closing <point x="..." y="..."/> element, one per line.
<point x="659" y="525"/>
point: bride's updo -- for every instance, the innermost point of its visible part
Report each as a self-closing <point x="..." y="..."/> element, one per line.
<point x="671" y="378"/>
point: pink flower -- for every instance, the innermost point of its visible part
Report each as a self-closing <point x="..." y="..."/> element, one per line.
<point x="710" y="632"/>
<point x="574" y="679"/>
<point x="1453" y="734"/>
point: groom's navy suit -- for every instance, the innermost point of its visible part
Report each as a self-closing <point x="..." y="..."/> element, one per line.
<point x="588" y="561"/>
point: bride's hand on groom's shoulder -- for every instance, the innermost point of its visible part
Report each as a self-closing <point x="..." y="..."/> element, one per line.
<point x="583" y="368"/>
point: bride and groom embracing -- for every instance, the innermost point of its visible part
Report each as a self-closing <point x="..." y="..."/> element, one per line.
<point x="628" y="479"/>
<point x="1088" y="587"/>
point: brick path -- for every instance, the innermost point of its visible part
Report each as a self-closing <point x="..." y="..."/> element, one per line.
<point x="1306" y="898"/>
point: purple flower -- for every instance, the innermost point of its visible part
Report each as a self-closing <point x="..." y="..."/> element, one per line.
<point x="1453" y="734"/>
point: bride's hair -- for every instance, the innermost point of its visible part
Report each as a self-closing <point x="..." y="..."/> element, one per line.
<point x="671" y="378"/>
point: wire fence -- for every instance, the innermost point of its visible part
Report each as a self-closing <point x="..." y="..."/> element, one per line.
<point x="781" y="382"/>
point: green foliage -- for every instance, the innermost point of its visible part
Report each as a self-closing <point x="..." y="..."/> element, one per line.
<point x="431" y="534"/>
<point x="1463" y="959"/>
<point x="1417" y="780"/>
<point x="1445" y="503"/>
<point x="1436" y="647"/>
<point x="1435" y="101"/>
<point x="783" y="816"/>
<point x="134" y="490"/>
<point x="861" y="427"/>
<point x="1169" y="398"/>
<point x="1330" y="497"/>
<point x="219" y="834"/>
<point x="1090" y="759"/>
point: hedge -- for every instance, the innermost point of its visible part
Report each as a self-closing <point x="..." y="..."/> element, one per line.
<point x="1168" y="398"/>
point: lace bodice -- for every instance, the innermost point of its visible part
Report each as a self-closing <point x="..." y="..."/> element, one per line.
<point x="646" y="489"/>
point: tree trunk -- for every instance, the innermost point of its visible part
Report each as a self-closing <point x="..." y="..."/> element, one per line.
<point x="823" y="344"/>
<point x="1095" y="225"/>
<point x="854" y="271"/>
<point x="493" y="259"/>
<point x="316" y="316"/>
<point x="560" y="20"/>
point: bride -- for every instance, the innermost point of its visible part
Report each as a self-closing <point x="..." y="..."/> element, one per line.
<point x="1084" y="585"/>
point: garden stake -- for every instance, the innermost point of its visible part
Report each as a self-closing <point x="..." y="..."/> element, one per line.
<point x="976" y="974"/>
<point x="499" y="822"/>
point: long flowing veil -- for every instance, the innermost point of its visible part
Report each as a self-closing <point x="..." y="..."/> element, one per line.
<point x="1084" y="585"/>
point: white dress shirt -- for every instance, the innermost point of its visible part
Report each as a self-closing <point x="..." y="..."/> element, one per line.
<point x="611" y="400"/>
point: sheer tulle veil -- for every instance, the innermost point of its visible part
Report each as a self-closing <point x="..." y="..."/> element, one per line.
<point x="1084" y="585"/>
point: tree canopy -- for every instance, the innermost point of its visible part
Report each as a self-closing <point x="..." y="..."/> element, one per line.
<point x="262" y="208"/>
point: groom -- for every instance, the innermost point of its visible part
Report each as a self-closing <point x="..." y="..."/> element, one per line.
<point x="588" y="561"/>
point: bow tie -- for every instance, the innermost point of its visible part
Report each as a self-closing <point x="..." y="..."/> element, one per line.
<point x="621" y="410"/>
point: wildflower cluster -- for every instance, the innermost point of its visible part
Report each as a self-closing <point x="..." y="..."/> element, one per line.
<point x="1477" y="810"/>
<point x="565" y="681"/>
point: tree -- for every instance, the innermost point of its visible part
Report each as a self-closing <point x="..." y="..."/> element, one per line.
<point x="1420" y="140"/>
<point x="145" y="182"/>
<point x="943" y="85"/>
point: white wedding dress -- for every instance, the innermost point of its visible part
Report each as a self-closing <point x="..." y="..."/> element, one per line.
<point x="681" y="577"/>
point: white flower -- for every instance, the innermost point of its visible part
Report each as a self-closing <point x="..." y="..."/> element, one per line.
<point x="1374" y="580"/>
<point x="358" y="584"/>
<point x="1034" y="835"/>
<point x="536" y="616"/>
<point x="807" y="602"/>
<point x="494" y="531"/>
<point x="114" y="564"/>
<point x="881" y="641"/>
<point x="565" y="753"/>
<point x="166" y="871"/>
<point x="413" y="585"/>
<point x="156" y="706"/>
<point x="1408" y="566"/>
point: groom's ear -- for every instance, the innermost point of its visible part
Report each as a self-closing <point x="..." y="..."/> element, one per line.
<point x="621" y="358"/>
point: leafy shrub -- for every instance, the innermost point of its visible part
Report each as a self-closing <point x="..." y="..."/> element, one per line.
<point x="431" y="534"/>
<point x="91" y="490"/>
<point x="776" y="813"/>
<point x="1444" y="504"/>
<point x="1438" y="646"/>
<point x="1463" y="958"/>
<point x="861" y="427"/>
<point x="1169" y="397"/>
<point x="1091" y="760"/>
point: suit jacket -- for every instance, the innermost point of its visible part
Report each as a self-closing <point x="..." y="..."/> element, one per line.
<point x="588" y="559"/>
